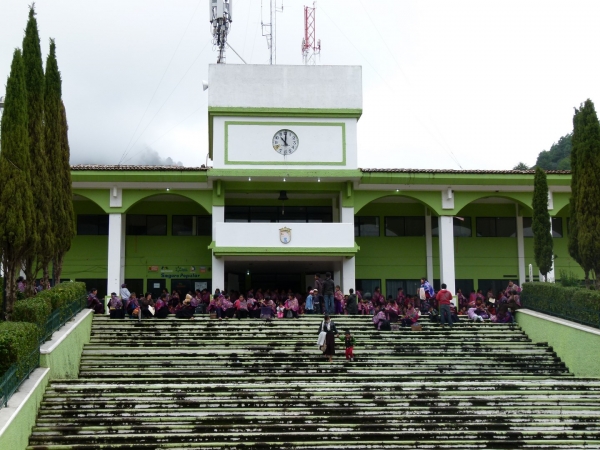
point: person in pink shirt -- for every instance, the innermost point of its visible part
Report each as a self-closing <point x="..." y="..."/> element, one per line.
<point x="338" y="300"/>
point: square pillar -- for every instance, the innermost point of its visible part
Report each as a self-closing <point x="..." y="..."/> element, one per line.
<point x="428" y="245"/>
<point x="218" y="264"/>
<point x="116" y="252"/>
<point x="348" y="274"/>
<point x="447" y="272"/>
<point x="520" y="248"/>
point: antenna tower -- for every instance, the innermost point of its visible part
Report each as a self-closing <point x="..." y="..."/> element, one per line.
<point x="311" y="48"/>
<point x="269" y="30"/>
<point x="220" y="19"/>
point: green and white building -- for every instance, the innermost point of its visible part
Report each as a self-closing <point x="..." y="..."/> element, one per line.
<point x="290" y="132"/>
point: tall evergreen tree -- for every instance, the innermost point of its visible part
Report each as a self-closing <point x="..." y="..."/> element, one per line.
<point x="53" y="144"/>
<point x="67" y="231"/>
<point x="588" y="188"/>
<point x="577" y="139"/>
<point x="542" y="234"/>
<point x="16" y="199"/>
<point x="34" y="79"/>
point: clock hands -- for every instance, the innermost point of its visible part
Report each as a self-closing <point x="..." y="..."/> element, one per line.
<point x="284" y="137"/>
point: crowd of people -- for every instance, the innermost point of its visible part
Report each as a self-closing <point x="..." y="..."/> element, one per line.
<point x="324" y="298"/>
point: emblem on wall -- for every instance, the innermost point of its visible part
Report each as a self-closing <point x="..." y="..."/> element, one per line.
<point x="285" y="235"/>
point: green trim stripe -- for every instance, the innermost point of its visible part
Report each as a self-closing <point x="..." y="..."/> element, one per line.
<point x="284" y="251"/>
<point x="342" y="125"/>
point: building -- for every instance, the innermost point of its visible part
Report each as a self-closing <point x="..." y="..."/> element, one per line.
<point x="285" y="199"/>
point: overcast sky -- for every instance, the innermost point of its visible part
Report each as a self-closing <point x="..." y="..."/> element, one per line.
<point x="480" y="84"/>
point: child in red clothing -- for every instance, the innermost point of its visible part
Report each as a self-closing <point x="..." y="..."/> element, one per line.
<point x="349" y="341"/>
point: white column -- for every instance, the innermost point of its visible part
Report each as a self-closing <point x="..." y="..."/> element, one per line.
<point x="347" y="215"/>
<point x="428" y="245"/>
<point x="348" y="274"/>
<point x="116" y="252"/>
<point x="218" y="264"/>
<point x="520" y="248"/>
<point x="447" y="274"/>
<point x="550" y="275"/>
<point x="337" y="273"/>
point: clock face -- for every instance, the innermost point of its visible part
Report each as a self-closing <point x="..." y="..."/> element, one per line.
<point x="285" y="142"/>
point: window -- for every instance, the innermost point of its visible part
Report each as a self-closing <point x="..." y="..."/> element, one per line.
<point x="146" y="225"/>
<point x="367" y="286"/>
<point x="405" y="226"/>
<point x="191" y="226"/>
<point x="92" y="225"/>
<point x="366" y="226"/>
<point x="496" y="226"/>
<point x="557" y="229"/>
<point x="410" y="287"/>
<point x="274" y="214"/>
<point x="462" y="226"/>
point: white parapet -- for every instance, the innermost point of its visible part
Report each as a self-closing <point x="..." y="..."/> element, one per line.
<point x="301" y="235"/>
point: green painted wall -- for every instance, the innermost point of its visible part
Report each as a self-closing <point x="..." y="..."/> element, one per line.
<point x="16" y="435"/>
<point x="577" y="348"/>
<point x="65" y="358"/>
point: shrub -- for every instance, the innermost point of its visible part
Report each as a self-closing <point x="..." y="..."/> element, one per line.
<point x="62" y="295"/>
<point x="18" y="340"/>
<point x="568" y="279"/>
<point x="576" y="304"/>
<point x="33" y="310"/>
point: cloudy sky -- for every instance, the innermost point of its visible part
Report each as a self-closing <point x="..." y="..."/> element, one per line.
<point x="447" y="84"/>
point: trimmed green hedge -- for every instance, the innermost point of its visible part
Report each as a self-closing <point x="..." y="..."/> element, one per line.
<point x="18" y="340"/>
<point x="63" y="294"/>
<point x="33" y="310"/>
<point x="577" y="304"/>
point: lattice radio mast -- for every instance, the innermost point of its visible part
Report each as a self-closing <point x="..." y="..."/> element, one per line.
<point x="269" y="30"/>
<point x="311" y="48"/>
<point x="220" y="19"/>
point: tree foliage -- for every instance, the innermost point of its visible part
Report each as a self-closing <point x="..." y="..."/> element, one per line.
<point x="542" y="233"/>
<point x="521" y="166"/>
<point x="587" y="179"/>
<point x="559" y="155"/>
<point x="16" y="199"/>
<point x="38" y="169"/>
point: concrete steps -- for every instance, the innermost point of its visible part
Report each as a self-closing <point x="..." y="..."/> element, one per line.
<point x="229" y="384"/>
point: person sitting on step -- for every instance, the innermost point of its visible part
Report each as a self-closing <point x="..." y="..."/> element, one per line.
<point x="227" y="307"/>
<point x="115" y="306"/>
<point x="186" y="311"/>
<point x="241" y="307"/>
<point x="161" y="307"/>
<point x="392" y="311"/>
<point x="94" y="303"/>
<point x="411" y="316"/>
<point x="147" y="306"/>
<point x="379" y="317"/>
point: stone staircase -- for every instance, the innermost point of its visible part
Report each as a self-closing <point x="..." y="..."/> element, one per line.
<point x="242" y="384"/>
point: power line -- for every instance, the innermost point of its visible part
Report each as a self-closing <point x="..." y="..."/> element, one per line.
<point x="159" y="83"/>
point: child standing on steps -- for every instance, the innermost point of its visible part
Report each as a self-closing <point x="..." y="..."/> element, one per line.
<point x="349" y="341"/>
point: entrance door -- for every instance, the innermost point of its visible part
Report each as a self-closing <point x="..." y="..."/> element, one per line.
<point x="155" y="287"/>
<point x="189" y="285"/>
<point x="135" y="285"/>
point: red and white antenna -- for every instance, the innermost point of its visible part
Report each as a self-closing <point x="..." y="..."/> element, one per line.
<point x="311" y="48"/>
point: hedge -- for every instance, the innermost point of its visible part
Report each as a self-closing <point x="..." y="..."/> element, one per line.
<point x="577" y="304"/>
<point x="18" y="340"/>
<point x="62" y="295"/>
<point x="33" y="310"/>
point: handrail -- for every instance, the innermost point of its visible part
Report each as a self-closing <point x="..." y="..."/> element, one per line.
<point x="10" y="382"/>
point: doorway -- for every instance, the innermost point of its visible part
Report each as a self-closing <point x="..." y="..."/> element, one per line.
<point x="155" y="286"/>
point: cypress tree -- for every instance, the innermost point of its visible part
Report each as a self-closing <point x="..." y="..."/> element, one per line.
<point x="16" y="199"/>
<point x="573" y="225"/>
<point x="41" y="239"/>
<point x="53" y="137"/>
<point x="67" y="230"/>
<point x="587" y="207"/>
<point x="542" y="234"/>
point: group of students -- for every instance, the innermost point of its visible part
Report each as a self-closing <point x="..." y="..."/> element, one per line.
<point x="405" y="310"/>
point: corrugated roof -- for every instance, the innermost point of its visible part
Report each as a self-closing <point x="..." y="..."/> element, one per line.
<point x="452" y="171"/>
<point x="129" y="168"/>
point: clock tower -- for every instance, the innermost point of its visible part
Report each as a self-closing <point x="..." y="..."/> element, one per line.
<point x="284" y="117"/>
